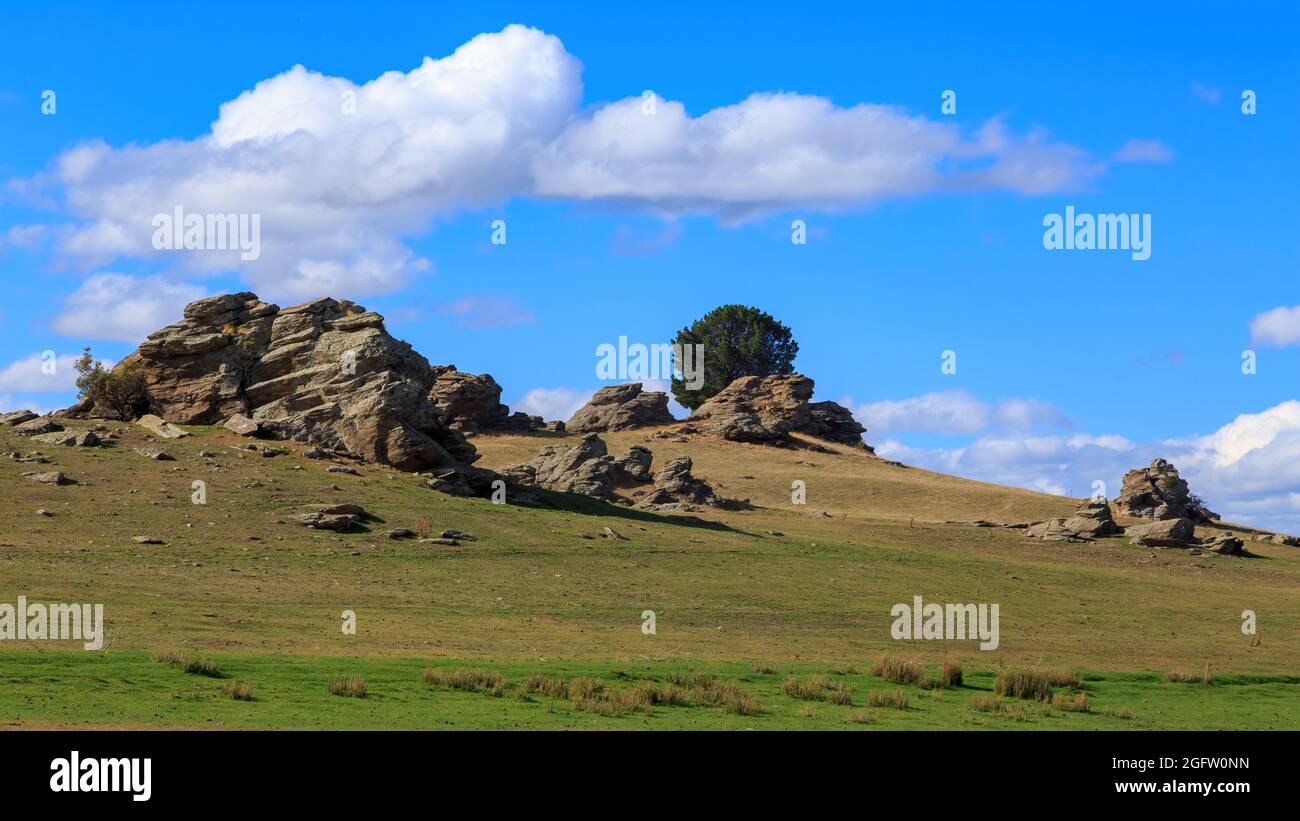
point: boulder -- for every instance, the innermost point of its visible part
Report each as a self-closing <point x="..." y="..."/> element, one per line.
<point x="636" y="463"/>
<point x="36" y="427"/>
<point x="1225" y="545"/>
<point x="1158" y="492"/>
<point x="1276" y="538"/>
<point x="326" y="521"/>
<point x="585" y="468"/>
<point x="621" y="407"/>
<point x="326" y="373"/>
<point x="54" y="477"/>
<point x="70" y="438"/>
<point x="16" y="417"/>
<point x="155" y="454"/>
<point x="1163" y="533"/>
<point x="242" y="425"/>
<point x="767" y="409"/>
<point x="160" y="427"/>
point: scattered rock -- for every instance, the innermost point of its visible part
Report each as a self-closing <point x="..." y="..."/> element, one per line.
<point x="1277" y="538"/>
<point x="351" y="471"/>
<point x="32" y="457"/>
<point x="1225" y="545"/>
<point x="610" y="533"/>
<point x="675" y="487"/>
<point x="147" y="540"/>
<point x="456" y="534"/>
<point x="315" y="453"/>
<point x="43" y="512"/>
<point x="1158" y="492"/>
<point x="621" y="407"/>
<point x="400" y="533"/>
<point x="155" y="454"/>
<point x="54" y="477"/>
<point x="242" y="425"/>
<point x="585" y="468"/>
<point x="325" y="521"/>
<point x="345" y="509"/>
<point x="160" y="427"/>
<point x="440" y="540"/>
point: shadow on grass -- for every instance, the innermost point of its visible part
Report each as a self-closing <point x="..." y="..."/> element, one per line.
<point x="574" y="503"/>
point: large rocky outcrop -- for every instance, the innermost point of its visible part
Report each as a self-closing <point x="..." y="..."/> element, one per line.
<point x="325" y="372"/>
<point x="1158" y="492"/>
<point x="621" y="407"/>
<point x="767" y="409"/>
<point x="471" y="403"/>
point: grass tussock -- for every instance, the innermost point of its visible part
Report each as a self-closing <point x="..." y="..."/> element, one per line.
<point x="897" y="671"/>
<point x="350" y="686"/>
<point x="470" y="681"/>
<point x="1122" y="713"/>
<point x="764" y="669"/>
<point x="997" y="706"/>
<point x="688" y="689"/>
<point x="1030" y="684"/>
<point x="238" y="690"/>
<point x="817" y="688"/>
<point x="1078" y="703"/>
<point x="189" y="664"/>
<point x="950" y="674"/>
<point x="896" y="699"/>
<point x="1185" y="677"/>
<point x="862" y="717"/>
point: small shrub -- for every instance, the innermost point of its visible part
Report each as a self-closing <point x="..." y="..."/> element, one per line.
<point x="897" y="670"/>
<point x="121" y="391"/>
<point x="239" y="690"/>
<point x="888" y="698"/>
<point x="351" y="686"/>
<point x="1031" y="684"/>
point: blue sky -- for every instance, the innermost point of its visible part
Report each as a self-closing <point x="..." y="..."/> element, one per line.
<point x="924" y="229"/>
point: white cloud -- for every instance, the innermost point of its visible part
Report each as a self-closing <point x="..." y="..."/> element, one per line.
<point x="956" y="412"/>
<point x="1205" y="93"/>
<point x="123" y="307"/>
<point x="1248" y="470"/>
<point x="341" y="174"/>
<point x="336" y="191"/>
<point x="1279" y="327"/>
<point x="1139" y="150"/>
<point x="553" y="403"/>
<point x="36" y="373"/>
<point x="777" y="151"/>
<point x="488" y="311"/>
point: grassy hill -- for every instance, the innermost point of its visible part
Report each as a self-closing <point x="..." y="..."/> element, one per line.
<point x="744" y="600"/>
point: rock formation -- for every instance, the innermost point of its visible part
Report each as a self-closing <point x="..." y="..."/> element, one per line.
<point x="1158" y="492"/>
<point x="621" y="407"/>
<point x="325" y="372"/>
<point x="588" y="469"/>
<point x="767" y="409"/>
<point x="1091" y="520"/>
<point x="471" y="404"/>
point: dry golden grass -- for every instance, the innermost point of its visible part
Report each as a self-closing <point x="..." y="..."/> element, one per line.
<point x="896" y="699"/>
<point x="238" y="690"/>
<point x="1030" y="684"/>
<point x="1078" y="703"/>
<point x="351" y="686"/>
<point x="899" y="671"/>
<point x="473" y="681"/>
<point x="950" y="674"/>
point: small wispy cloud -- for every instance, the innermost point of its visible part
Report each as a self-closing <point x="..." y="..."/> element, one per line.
<point x="487" y="311"/>
<point x="1206" y="94"/>
<point x="1139" y="150"/>
<point x="1277" y="328"/>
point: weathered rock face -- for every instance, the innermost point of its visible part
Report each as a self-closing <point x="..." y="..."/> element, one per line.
<point x="621" y="407"/>
<point x="1163" y="533"/>
<point x="17" y="417"/>
<point x="1091" y="520"/>
<point x="471" y="403"/>
<point x="1158" y="492"/>
<point x="767" y="409"/>
<point x="675" y="487"/>
<point x="325" y="372"/>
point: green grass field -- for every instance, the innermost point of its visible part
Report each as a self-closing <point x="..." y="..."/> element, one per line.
<point x="804" y="590"/>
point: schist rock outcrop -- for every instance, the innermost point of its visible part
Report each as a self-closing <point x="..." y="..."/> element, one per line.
<point x="767" y="409"/>
<point x="325" y="372"/>
<point x="1158" y="492"/>
<point x="1091" y="520"/>
<point x="621" y="407"/>
<point x="471" y="403"/>
<point x="588" y="469"/>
